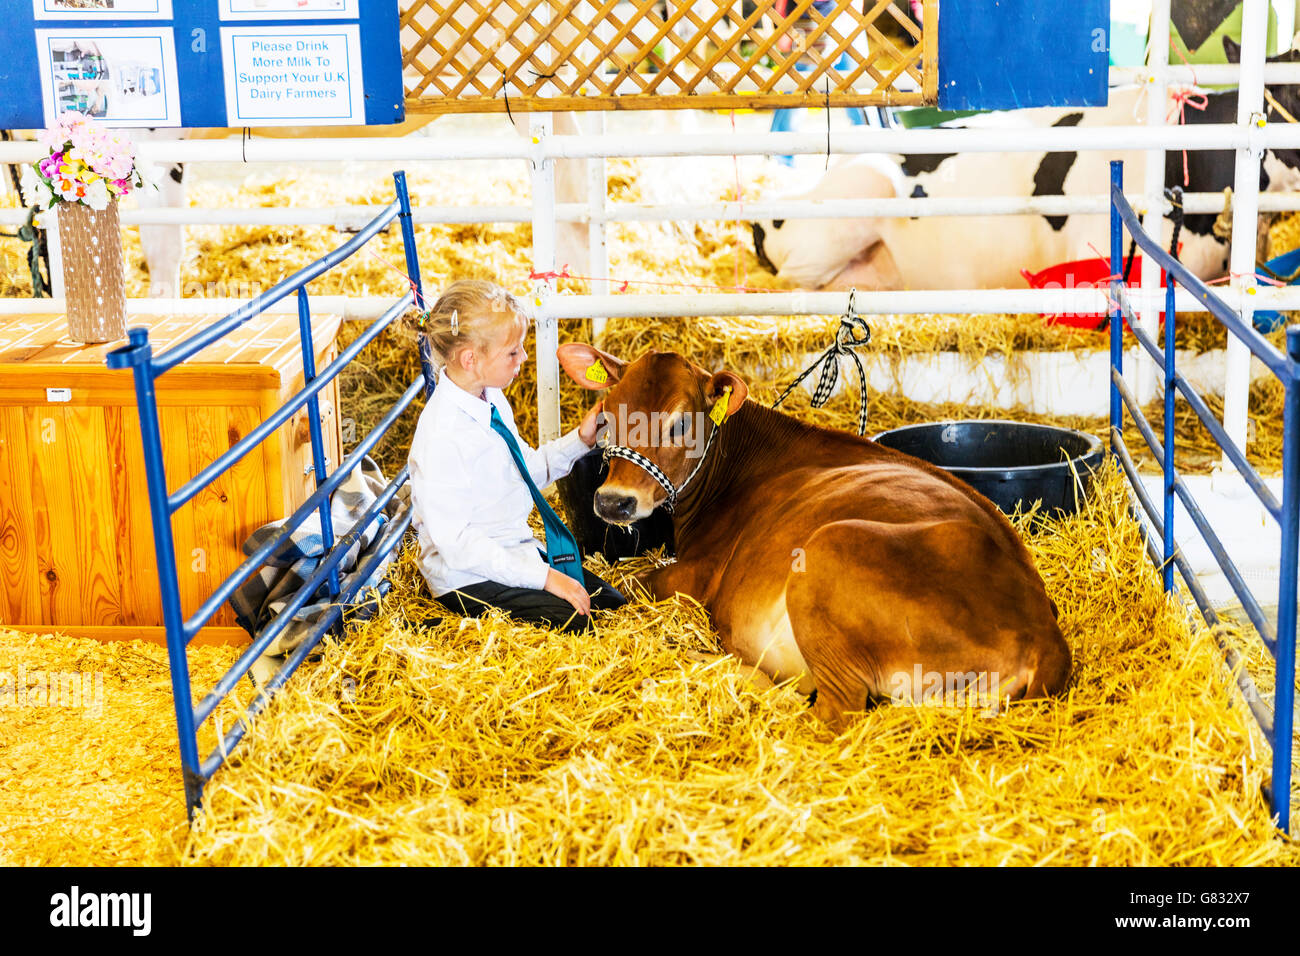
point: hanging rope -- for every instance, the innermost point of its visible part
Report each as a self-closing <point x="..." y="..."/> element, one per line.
<point x="29" y="232"/>
<point x="1128" y="263"/>
<point x="1182" y="98"/>
<point x="37" y="253"/>
<point x="1175" y="196"/>
<point x="846" y="340"/>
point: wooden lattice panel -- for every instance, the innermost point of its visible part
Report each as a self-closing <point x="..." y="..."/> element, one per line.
<point x="528" y="55"/>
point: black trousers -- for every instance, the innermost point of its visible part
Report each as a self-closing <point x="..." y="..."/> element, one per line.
<point x="533" y="606"/>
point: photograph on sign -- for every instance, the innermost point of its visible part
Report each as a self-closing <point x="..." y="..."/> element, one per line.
<point x="102" y="9"/>
<point x="122" y="77"/>
<point x="289" y="9"/>
<point x="286" y="76"/>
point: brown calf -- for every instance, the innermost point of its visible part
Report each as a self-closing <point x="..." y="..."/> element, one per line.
<point x="821" y="556"/>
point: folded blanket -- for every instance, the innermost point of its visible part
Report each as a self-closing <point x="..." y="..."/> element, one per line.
<point x="264" y="595"/>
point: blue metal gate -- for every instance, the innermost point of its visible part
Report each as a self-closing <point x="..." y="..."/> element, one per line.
<point x="138" y="356"/>
<point x="1280" y="642"/>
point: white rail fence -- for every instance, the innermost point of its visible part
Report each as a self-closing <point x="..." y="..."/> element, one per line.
<point x="1249" y="137"/>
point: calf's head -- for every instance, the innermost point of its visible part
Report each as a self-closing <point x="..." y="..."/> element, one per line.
<point x="661" y="407"/>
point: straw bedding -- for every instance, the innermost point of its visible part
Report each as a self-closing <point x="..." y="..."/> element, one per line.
<point x="425" y="738"/>
<point x="92" y="784"/>
<point x="428" y="739"/>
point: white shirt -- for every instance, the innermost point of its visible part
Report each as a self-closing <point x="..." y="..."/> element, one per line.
<point x="469" y="503"/>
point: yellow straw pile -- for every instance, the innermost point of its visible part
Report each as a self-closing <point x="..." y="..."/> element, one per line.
<point x="485" y="742"/>
<point x="425" y="738"/>
<point x="94" y="780"/>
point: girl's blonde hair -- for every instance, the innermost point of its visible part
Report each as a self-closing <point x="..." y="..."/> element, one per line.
<point x="470" y="313"/>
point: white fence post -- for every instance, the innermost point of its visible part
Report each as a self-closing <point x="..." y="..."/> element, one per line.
<point x="597" y="230"/>
<point x="1154" y="188"/>
<point x="548" y="366"/>
<point x="49" y="221"/>
<point x="1245" y="217"/>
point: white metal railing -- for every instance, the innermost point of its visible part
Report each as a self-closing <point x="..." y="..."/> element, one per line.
<point x="1203" y="74"/>
<point x="689" y="305"/>
<point x="349" y="217"/>
<point x="1214" y="136"/>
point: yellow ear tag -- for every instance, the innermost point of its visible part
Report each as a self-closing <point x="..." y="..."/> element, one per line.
<point x="596" y="372"/>
<point x="719" y="413"/>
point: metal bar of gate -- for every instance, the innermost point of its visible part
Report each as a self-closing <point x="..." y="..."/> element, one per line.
<point x="318" y="459"/>
<point x="1284" y="677"/>
<point x="1281" y="642"/>
<point x="138" y="356"/>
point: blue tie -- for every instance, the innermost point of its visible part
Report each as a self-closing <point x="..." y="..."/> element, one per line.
<point x="561" y="546"/>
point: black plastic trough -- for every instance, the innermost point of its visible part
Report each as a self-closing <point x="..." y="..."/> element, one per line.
<point x="1010" y="463"/>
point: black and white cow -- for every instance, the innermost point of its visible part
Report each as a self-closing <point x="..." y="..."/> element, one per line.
<point x="972" y="252"/>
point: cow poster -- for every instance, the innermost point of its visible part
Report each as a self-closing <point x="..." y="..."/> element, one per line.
<point x="124" y="77"/>
<point x="102" y="9"/>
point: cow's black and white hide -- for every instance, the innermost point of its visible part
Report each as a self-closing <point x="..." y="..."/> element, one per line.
<point x="972" y="252"/>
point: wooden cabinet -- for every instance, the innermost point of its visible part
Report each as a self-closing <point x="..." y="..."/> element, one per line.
<point x="76" y="536"/>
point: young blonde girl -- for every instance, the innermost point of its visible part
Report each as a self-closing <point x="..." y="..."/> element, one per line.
<point x="470" y="503"/>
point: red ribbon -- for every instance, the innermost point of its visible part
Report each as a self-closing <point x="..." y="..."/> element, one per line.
<point x="566" y="274"/>
<point x="1183" y="98"/>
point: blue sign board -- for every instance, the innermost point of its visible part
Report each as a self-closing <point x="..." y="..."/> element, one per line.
<point x="201" y="63"/>
<point x="1009" y="54"/>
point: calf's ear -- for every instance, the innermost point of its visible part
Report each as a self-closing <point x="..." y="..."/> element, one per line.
<point x="589" y="366"/>
<point x="717" y="387"/>
<point x="1231" y="49"/>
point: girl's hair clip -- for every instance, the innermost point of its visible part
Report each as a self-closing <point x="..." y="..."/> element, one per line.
<point x="455" y="322"/>
<point x="423" y="317"/>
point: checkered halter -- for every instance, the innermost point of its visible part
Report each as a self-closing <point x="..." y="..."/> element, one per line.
<point x="654" y="471"/>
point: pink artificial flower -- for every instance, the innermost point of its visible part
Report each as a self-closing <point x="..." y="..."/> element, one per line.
<point x="116" y="167"/>
<point x="54" y="138"/>
<point x="84" y="139"/>
<point x="101" y="164"/>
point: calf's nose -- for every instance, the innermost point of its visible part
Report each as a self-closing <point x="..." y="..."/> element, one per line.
<point x="615" y="506"/>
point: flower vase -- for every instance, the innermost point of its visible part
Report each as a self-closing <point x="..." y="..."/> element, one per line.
<point x="94" y="271"/>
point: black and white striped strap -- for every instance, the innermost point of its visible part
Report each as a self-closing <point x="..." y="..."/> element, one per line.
<point x="847" y="338"/>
